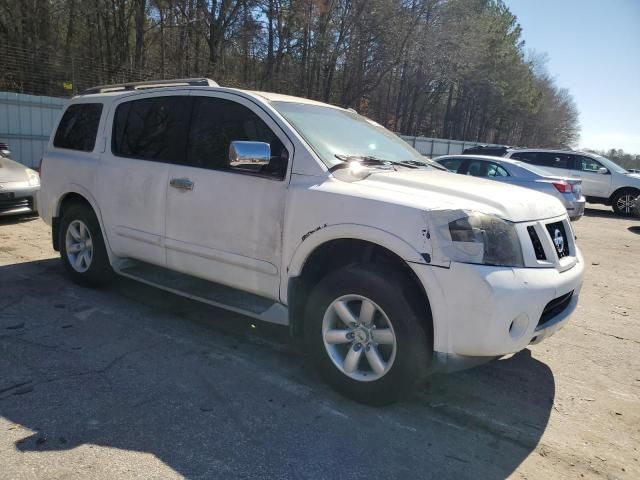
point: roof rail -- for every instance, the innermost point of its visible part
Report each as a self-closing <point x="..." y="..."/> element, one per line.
<point x="117" y="87"/>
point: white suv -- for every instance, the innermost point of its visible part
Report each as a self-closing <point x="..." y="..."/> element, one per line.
<point x="312" y="216"/>
<point x="603" y="181"/>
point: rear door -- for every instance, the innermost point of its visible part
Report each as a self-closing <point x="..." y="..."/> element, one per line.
<point x="224" y="221"/>
<point x="148" y="134"/>
<point x="594" y="184"/>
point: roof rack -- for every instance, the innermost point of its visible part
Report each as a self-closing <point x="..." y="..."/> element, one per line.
<point x="118" y="87"/>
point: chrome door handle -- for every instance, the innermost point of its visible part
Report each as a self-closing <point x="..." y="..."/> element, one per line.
<point x="181" y="183"/>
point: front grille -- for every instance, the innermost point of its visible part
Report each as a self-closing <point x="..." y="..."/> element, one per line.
<point x="537" y="244"/>
<point x="7" y="204"/>
<point x="559" y="238"/>
<point x="555" y="307"/>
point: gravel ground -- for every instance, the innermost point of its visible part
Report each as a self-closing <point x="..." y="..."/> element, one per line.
<point x="131" y="382"/>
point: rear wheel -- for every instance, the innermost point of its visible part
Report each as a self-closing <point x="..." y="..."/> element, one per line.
<point x="367" y="336"/>
<point x="82" y="248"/>
<point x="623" y="202"/>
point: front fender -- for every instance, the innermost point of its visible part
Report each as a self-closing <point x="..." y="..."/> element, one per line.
<point x="326" y="233"/>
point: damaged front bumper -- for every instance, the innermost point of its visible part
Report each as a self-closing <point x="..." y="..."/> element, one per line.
<point x="483" y="312"/>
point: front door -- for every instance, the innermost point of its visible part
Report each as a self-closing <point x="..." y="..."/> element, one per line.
<point x="148" y="134"/>
<point x="224" y="221"/>
<point x="594" y="183"/>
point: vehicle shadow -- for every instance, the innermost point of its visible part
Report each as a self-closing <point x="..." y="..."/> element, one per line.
<point x="635" y="230"/>
<point x="213" y="394"/>
<point x="15" y="219"/>
<point x="601" y="213"/>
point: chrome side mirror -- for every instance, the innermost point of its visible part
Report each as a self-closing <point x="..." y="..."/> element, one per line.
<point x="249" y="154"/>
<point x="603" y="171"/>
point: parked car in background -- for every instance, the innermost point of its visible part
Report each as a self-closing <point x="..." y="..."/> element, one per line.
<point x="308" y="215"/>
<point x="18" y="185"/>
<point x="491" y="150"/>
<point x="603" y="181"/>
<point x="567" y="190"/>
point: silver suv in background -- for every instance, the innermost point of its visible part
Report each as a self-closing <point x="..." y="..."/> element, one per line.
<point x="603" y="181"/>
<point x="514" y="172"/>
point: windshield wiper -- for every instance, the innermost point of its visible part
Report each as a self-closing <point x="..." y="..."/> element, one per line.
<point x="371" y="160"/>
<point x="425" y="163"/>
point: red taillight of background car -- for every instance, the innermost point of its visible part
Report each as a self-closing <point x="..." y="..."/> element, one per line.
<point x="562" y="187"/>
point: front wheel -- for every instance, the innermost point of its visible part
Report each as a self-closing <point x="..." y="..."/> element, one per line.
<point x="366" y="334"/>
<point x="623" y="203"/>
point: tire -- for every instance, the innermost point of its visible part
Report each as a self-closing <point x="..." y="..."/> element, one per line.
<point x="622" y="202"/>
<point x="398" y="318"/>
<point x="79" y="229"/>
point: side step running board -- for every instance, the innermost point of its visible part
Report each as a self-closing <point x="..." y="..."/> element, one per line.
<point x="238" y="301"/>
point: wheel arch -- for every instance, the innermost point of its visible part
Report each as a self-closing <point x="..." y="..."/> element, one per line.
<point x="335" y="253"/>
<point x="74" y="195"/>
<point x="623" y="189"/>
<point x="612" y="198"/>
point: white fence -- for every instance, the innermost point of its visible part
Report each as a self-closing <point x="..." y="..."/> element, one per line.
<point x="435" y="147"/>
<point x="26" y="121"/>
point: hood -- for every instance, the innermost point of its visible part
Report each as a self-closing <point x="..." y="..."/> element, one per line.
<point x="11" y="171"/>
<point x="437" y="190"/>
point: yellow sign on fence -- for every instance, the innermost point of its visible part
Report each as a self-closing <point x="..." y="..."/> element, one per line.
<point x="67" y="85"/>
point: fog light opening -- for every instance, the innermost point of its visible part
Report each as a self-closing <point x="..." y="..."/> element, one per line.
<point x="518" y="326"/>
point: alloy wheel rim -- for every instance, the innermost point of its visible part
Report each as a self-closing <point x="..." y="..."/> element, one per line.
<point x="79" y="246"/>
<point x="359" y="338"/>
<point x="625" y="203"/>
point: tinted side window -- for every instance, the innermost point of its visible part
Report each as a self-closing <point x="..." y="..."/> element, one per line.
<point x="477" y="168"/>
<point x="151" y="128"/>
<point x="495" y="170"/>
<point x="216" y="123"/>
<point x="545" y="159"/>
<point x="453" y="164"/>
<point x="78" y="127"/>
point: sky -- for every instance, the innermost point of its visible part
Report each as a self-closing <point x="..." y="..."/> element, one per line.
<point x="593" y="49"/>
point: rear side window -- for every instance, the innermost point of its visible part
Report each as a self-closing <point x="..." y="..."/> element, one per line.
<point x="79" y="126"/>
<point x="495" y="170"/>
<point x="545" y="159"/>
<point x="152" y="129"/>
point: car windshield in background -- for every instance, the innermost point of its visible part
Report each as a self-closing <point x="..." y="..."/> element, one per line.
<point x="332" y="131"/>
<point x="610" y="164"/>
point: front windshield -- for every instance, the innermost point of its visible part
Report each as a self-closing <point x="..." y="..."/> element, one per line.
<point x="332" y="131"/>
<point x="611" y="165"/>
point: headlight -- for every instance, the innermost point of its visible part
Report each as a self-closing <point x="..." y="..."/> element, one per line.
<point x="484" y="239"/>
<point x="34" y="178"/>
